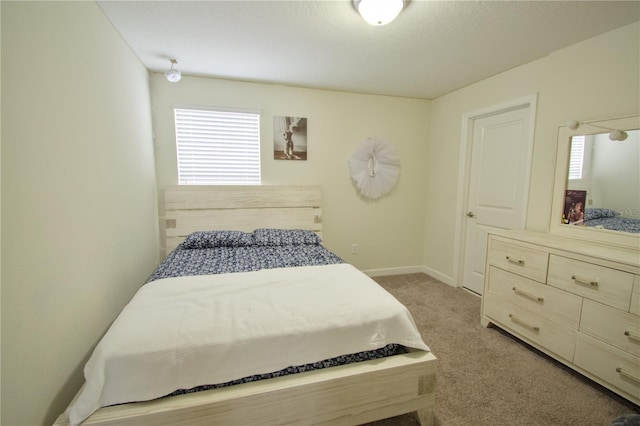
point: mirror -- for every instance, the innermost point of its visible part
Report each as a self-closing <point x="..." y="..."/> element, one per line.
<point x="597" y="183"/>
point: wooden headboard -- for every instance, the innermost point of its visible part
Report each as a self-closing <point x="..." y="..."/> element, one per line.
<point x="187" y="209"/>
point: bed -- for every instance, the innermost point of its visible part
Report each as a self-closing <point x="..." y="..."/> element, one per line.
<point x="393" y="375"/>
<point x="602" y="218"/>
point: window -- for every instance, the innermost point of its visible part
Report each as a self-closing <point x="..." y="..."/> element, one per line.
<point x="576" y="157"/>
<point x="217" y="147"/>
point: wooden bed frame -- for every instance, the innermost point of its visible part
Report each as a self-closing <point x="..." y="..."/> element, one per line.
<point x="345" y="395"/>
<point x="187" y="209"/>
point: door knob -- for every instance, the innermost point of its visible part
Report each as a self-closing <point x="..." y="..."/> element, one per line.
<point x="470" y="214"/>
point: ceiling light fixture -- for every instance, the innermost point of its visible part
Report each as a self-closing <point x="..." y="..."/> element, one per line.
<point x="173" y="75"/>
<point x="615" y="135"/>
<point x="378" y="12"/>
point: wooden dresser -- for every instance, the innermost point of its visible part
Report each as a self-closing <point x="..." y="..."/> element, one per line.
<point x="577" y="301"/>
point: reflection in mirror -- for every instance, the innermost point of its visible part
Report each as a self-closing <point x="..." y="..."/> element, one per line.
<point x="604" y="179"/>
<point x="603" y="183"/>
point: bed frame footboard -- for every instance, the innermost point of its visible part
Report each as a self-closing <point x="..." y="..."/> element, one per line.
<point x="345" y="395"/>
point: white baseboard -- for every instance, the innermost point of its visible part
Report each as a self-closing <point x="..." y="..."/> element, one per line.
<point x="394" y="271"/>
<point x="410" y="270"/>
<point x="440" y="276"/>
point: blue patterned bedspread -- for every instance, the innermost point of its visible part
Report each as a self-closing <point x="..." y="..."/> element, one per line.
<point x="603" y="218"/>
<point x="221" y="260"/>
<point x="219" y="252"/>
<point x="623" y="224"/>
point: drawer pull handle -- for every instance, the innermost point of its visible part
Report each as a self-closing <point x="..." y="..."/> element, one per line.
<point x="524" y="324"/>
<point x="579" y="280"/>
<point x="528" y="295"/>
<point x="627" y="375"/>
<point x="630" y="335"/>
<point x="516" y="261"/>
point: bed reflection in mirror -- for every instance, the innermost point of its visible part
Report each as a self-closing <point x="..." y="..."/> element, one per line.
<point x="603" y="183"/>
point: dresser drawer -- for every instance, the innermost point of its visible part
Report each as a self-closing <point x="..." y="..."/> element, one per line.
<point x="635" y="297"/>
<point x="539" y="298"/>
<point x="613" y="326"/>
<point x="604" y="285"/>
<point x="521" y="260"/>
<point x="555" y="337"/>
<point x="612" y="365"/>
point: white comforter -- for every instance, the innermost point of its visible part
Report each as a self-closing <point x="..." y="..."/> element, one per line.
<point x="178" y="333"/>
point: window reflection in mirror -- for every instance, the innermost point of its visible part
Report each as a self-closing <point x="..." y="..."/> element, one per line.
<point x="603" y="183"/>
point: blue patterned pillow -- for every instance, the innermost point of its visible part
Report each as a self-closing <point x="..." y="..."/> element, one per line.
<point x="211" y="239"/>
<point x="284" y="237"/>
<point x="597" y="213"/>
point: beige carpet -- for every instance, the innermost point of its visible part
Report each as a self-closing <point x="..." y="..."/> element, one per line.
<point x="486" y="377"/>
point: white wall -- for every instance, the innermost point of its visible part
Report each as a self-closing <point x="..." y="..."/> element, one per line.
<point x="595" y="79"/>
<point x="79" y="224"/>
<point x="79" y="220"/>
<point x="389" y="231"/>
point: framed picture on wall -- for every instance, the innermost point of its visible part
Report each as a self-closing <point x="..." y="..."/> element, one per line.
<point x="289" y="138"/>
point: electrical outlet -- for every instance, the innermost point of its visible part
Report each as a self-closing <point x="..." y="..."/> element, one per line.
<point x="355" y="249"/>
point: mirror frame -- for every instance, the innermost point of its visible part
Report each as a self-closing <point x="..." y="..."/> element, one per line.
<point x="617" y="238"/>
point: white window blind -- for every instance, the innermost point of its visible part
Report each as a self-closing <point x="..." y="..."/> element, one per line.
<point x="576" y="157"/>
<point x="217" y="147"/>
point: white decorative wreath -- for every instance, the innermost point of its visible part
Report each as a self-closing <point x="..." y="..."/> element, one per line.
<point x="375" y="167"/>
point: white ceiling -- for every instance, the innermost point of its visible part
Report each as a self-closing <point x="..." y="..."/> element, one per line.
<point x="432" y="48"/>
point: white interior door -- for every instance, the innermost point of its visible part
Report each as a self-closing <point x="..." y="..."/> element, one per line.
<point x="498" y="185"/>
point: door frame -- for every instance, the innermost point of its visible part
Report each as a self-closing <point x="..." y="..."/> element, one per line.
<point x="464" y="171"/>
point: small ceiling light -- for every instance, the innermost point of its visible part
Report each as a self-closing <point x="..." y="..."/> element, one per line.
<point x="573" y="125"/>
<point x="378" y="12"/>
<point x="615" y="135"/>
<point x="618" y="135"/>
<point x="173" y="75"/>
